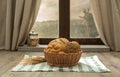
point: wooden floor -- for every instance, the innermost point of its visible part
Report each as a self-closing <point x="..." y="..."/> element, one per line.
<point x="9" y="59"/>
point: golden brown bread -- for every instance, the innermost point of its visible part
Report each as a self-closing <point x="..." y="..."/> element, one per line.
<point x="72" y="47"/>
<point x="63" y="45"/>
<point x="57" y="45"/>
<point x="34" y="60"/>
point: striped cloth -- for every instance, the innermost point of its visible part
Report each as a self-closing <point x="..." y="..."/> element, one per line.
<point x="86" y="64"/>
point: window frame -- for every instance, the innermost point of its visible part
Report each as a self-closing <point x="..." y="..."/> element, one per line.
<point x="64" y="27"/>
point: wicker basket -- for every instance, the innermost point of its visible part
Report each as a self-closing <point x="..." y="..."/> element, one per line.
<point x="63" y="60"/>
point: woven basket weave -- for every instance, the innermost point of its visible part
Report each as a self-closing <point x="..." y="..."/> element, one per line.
<point x="63" y="60"/>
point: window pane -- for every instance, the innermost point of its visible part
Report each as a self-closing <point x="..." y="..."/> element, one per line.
<point x="47" y="20"/>
<point x="81" y="20"/>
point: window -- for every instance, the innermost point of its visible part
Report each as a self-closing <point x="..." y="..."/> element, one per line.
<point x="47" y="22"/>
<point x="81" y="20"/>
<point x="71" y="19"/>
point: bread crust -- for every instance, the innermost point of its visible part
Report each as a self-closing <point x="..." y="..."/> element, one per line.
<point x="63" y="45"/>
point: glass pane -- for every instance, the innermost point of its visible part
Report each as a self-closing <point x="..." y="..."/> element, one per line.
<point x="81" y="20"/>
<point x="47" y="20"/>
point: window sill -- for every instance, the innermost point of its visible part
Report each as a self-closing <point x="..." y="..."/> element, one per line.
<point x="83" y="47"/>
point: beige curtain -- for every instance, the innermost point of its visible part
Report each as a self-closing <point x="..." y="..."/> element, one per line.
<point x="2" y="23"/>
<point x="107" y="15"/>
<point x="19" y="17"/>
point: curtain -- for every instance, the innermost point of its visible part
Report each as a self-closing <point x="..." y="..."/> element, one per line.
<point x="107" y="15"/>
<point x="19" y="17"/>
<point x="2" y="23"/>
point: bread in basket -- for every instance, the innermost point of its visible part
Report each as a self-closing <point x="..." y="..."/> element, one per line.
<point x="62" y="52"/>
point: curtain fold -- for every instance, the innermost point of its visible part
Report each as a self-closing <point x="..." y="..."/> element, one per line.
<point x="116" y="22"/>
<point x="20" y="16"/>
<point x="2" y="23"/>
<point x="107" y="21"/>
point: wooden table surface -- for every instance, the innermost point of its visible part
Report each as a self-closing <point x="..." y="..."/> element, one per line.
<point x="9" y="59"/>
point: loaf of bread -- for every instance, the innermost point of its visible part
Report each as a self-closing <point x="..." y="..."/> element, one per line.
<point x="62" y="45"/>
